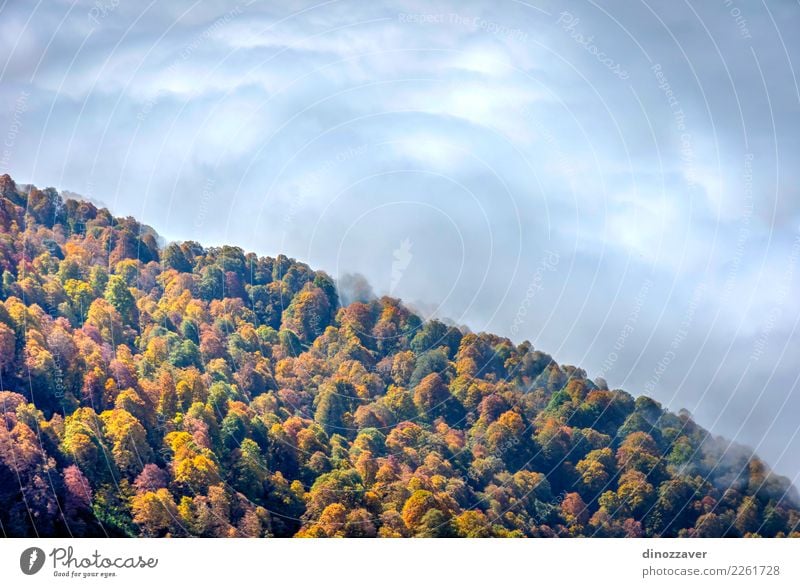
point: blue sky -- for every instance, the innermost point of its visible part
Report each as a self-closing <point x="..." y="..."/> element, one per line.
<point x="616" y="182"/>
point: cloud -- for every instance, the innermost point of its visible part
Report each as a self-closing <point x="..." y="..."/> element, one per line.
<point x="489" y="136"/>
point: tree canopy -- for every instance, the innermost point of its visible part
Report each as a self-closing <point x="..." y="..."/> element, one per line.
<point x="205" y="391"/>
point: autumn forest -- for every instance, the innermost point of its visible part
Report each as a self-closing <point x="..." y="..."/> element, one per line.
<point x="171" y="389"/>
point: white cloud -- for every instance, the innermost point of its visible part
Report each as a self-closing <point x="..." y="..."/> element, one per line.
<point x="553" y="150"/>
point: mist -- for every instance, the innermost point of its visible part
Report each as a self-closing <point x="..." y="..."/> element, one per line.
<point x="617" y="183"/>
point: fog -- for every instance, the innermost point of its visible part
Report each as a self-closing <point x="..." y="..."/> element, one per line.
<point x="617" y="184"/>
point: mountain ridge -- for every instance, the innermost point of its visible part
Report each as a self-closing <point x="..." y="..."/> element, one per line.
<point x="185" y="390"/>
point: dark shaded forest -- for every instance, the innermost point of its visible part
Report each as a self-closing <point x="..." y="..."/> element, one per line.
<point x="204" y="391"/>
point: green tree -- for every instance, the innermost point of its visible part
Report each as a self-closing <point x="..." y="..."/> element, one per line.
<point x="335" y="402"/>
<point x="173" y="257"/>
<point x="119" y="296"/>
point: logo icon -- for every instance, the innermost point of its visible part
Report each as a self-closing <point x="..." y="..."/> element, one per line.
<point x="402" y="259"/>
<point x="31" y="560"/>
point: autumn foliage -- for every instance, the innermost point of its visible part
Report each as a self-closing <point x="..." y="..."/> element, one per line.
<point x="179" y="390"/>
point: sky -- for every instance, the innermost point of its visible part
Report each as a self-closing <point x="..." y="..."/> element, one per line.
<point x="616" y="182"/>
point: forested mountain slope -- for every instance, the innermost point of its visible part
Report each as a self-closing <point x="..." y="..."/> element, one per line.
<point x="192" y="391"/>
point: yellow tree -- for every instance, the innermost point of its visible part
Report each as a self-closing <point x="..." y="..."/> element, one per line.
<point x="128" y="437"/>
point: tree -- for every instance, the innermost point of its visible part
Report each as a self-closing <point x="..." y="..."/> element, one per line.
<point x="77" y="500"/>
<point x="638" y="452"/>
<point x="129" y="449"/>
<point x="335" y="402"/>
<point x="332" y="520"/>
<point x="7" y="347"/>
<point x="674" y="509"/>
<point x="212" y="282"/>
<point x="82" y="441"/>
<point x="174" y="258"/>
<point x="416" y="506"/>
<point x="186" y="354"/>
<point x="709" y="526"/>
<point x="434" y="334"/>
<point x="436" y="524"/>
<point x="433" y="399"/>
<point x="290" y="343"/>
<point x="106" y="320"/>
<point x="154" y="512"/>
<point x="119" y="296"/>
<point x="251" y="470"/>
<point x="80" y="295"/>
<point x="473" y="524"/>
<point x="507" y="440"/>
<point x="192" y="466"/>
<point x="205" y="391"/>
<point x="308" y="314"/>
<point x="596" y="469"/>
<point x="574" y="510"/>
<point x="747" y="520"/>
<point x="634" y="491"/>
<point x="152" y="478"/>
<point x="338" y="486"/>
<point x="360" y="524"/>
<point x="431" y="362"/>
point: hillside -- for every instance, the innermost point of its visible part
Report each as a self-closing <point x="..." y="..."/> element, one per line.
<point x="192" y="391"/>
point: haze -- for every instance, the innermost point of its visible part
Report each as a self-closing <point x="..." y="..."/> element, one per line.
<point x="617" y="183"/>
